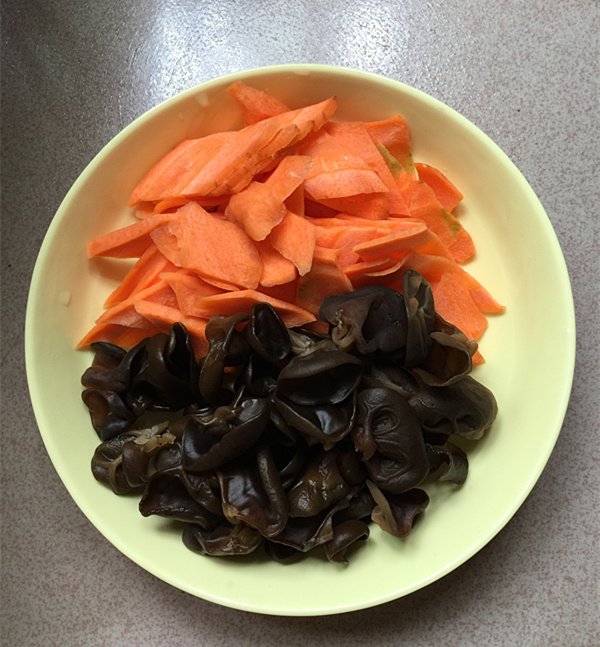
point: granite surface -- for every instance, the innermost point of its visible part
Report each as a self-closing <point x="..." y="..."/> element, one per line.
<point x="75" y="73"/>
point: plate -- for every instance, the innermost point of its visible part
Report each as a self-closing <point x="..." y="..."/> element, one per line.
<point x="530" y="349"/>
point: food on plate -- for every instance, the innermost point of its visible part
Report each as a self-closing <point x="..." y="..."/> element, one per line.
<point x="290" y="209"/>
<point x="285" y="437"/>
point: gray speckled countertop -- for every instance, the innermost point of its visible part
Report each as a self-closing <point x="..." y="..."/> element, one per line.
<point x="75" y="73"/>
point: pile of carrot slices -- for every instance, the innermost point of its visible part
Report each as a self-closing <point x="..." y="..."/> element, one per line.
<point x="290" y="209"/>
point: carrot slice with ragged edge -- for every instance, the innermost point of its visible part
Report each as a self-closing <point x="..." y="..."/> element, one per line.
<point x="337" y="170"/>
<point x="242" y="301"/>
<point x="295" y="126"/>
<point x="314" y="209"/>
<point x="256" y="105"/>
<point x="294" y="238"/>
<point x="413" y="236"/>
<point x="370" y="206"/>
<point x="355" y="136"/>
<point x="454" y="303"/>
<point x="358" y="271"/>
<point x="218" y="250"/>
<point x="256" y="209"/>
<point x="128" y="242"/>
<point x="276" y="269"/>
<point x="393" y="135"/>
<point x="325" y="278"/>
<point x="448" y="195"/>
<point x="163" y="317"/>
<point x="125" y="314"/>
<point x="188" y="286"/>
<point x="423" y="203"/>
<point x="142" y="275"/>
<point x="289" y="174"/>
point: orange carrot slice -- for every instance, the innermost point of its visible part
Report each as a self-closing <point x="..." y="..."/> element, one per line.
<point x="289" y="175"/>
<point x="128" y="242"/>
<point x="242" y="301"/>
<point x="392" y="134"/>
<point x="401" y="240"/>
<point x="188" y="286"/>
<point x="356" y="137"/>
<point x="295" y="201"/>
<point x="294" y="127"/>
<point x="294" y="238"/>
<point x="256" y="209"/>
<point x="361" y="273"/>
<point x="423" y="203"/>
<point x="448" y="195"/>
<point x="218" y="250"/>
<point x="276" y="269"/>
<point x="125" y="314"/>
<point x="454" y="303"/>
<point x="256" y="105"/>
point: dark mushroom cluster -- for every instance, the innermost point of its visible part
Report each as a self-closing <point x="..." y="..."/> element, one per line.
<point x="288" y="438"/>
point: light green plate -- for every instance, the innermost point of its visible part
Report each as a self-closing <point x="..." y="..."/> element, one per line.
<point x="530" y="349"/>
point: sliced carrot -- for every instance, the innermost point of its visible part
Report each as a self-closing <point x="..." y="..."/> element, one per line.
<point x="218" y="250"/>
<point x="358" y="271"/>
<point x="347" y="239"/>
<point x="256" y="105"/>
<point x="128" y="242"/>
<point x="125" y="314"/>
<point x="294" y="127"/>
<point x="315" y="209"/>
<point x="144" y="209"/>
<point x="371" y="206"/>
<point x="337" y="170"/>
<point x="133" y="336"/>
<point x="294" y="238"/>
<point x="423" y="203"/>
<point x="256" y="209"/>
<point x="188" y="286"/>
<point x="413" y="236"/>
<point x="242" y="301"/>
<point x="276" y="269"/>
<point x="448" y="195"/>
<point x="394" y="136"/>
<point x="454" y="303"/>
<point x="295" y="201"/>
<point x="325" y="278"/>
<point x="142" y="275"/>
<point x="175" y="170"/>
<point x="284" y="292"/>
<point x="163" y="317"/>
<point x="355" y="136"/>
<point x="289" y="175"/>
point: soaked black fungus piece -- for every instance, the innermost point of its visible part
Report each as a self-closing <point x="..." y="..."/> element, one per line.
<point x="371" y="318"/>
<point x="107" y="463"/>
<point x="389" y="437"/>
<point x="396" y="513"/>
<point x="465" y="408"/>
<point x="166" y="496"/>
<point x="450" y="356"/>
<point x="267" y="334"/>
<point x="420" y="315"/>
<point x="320" y="486"/>
<point x="227" y="347"/>
<point x="109" y="413"/>
<point x="345" y="534"/>
<point x="209" y="441"/>
<point x="246" y="501"/>
<point x="323" y="423"/>
<point x="454" y="460"/>
<point x="224" y="540"/>
<point x="322" y="377"/>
